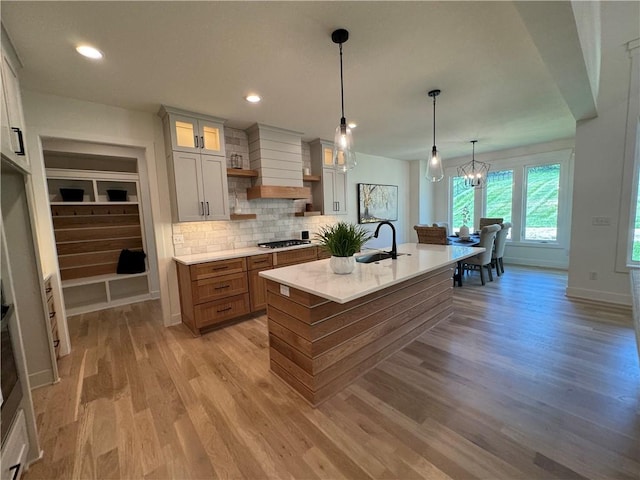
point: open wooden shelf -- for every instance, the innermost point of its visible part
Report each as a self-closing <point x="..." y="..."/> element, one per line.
<point x="311" y="178"/>
<point x="243" y="216"/>
<point x="308" y="214"/>
<point x="239" y="172"/>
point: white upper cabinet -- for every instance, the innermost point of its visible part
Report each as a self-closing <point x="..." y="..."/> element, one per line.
<point x="12" y="140"/>
<point x="194" y="134"/>
<point x="195" y="151"/>
<point x="330" y="195"/>
<point x="201" y="187"/>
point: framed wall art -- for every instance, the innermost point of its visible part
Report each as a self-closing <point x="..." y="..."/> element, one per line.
<point x="377" y="202"/>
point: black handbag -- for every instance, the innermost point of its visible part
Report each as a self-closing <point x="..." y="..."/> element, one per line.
<point x="131" y="262"/>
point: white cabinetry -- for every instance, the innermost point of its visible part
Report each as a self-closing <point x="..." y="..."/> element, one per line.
<point x="201" y="187"/>
<point x="195" y="150"/>
<point x="15" y="449"/>
<point x="330" y="195"/>
<point x="12" y="142"/>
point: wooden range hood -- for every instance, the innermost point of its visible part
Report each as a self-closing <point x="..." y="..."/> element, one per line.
<point x="273" y="191"/>
<point x="276" y="155"/>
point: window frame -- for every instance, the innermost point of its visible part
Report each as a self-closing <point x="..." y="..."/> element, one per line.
<point x="518" y="165"/>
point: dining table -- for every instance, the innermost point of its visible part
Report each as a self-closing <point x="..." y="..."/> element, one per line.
<point x="472" y="241"/>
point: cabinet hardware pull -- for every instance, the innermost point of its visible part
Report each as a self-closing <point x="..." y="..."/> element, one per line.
<point x="196" y="140"/>
<point x="202" y="207"/>
<point x="52" y="314"/>
<point x="224" y="310"/>
<point x="221" y="287"/>
<point x="338" y="206"/>
<point x="260" y="261"/>
<point x="17" y="469"/>
<point x="208" y="212"/>
<point x="201" y="142"/>
<point x="221" y="268"/>
<point x="56" y="343"/>
<point x="20" y="141"/>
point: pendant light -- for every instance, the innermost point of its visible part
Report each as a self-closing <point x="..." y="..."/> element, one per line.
<point x="344" y="157"/>
<point x="474" y="173"/>
<point x="435" y="172"/>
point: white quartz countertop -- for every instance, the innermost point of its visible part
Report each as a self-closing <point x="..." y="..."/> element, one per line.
<point x="318" y="279"/>
<point x="234" y="253"/>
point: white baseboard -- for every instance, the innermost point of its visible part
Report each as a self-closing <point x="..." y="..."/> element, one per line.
<point x="176" y="318"/>
<point x="41" y="379"/>
<point x="599" y="296"/>
<point x="530" y="262"/>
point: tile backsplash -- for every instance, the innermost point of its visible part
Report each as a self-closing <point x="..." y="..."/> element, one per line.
<point x="275" y="217"/>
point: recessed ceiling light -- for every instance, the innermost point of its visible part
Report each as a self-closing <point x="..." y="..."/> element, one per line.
<point x="253" y="98"/>
<point x="353" y="125"/>
<point x="89" y="52"/>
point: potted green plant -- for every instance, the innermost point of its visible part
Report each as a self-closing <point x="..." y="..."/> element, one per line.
<point x="466" y="218"/>
<point x="342" y="240"/>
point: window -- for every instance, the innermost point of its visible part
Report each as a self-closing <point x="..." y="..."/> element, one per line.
<point x="499" y="192"/>
<point x="462" y="197"/>
<point x="635" y="252"/>
<point x="541" y="202"/>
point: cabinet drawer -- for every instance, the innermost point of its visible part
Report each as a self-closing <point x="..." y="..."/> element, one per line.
<point x="291" y="257"/>
<point x="215" y="269"/>
<point x="260" y="261"/>
<point x="322" y="254"/>
<point x="219" y="287"/>
<point x="221" y="310"/>
<point x="14" y="451"/>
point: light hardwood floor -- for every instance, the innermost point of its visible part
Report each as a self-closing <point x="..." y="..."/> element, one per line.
<point x="520" y="383"/>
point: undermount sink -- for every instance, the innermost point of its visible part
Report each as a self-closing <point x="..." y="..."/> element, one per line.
<point x="375" y="257"/>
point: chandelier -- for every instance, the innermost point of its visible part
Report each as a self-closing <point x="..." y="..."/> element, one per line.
<point x="475" y="172"/>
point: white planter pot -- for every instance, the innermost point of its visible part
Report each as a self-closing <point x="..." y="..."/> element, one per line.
<point x="342" y="265"/>
<point x="464" y="231"/>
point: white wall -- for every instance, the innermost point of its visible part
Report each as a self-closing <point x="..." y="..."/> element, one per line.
<point x="58" y="117"/>
<point x="385" y="171"/>
<point x="605" y="148"/>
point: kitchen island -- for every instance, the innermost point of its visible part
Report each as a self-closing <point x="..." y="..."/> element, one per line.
<point x="325" y="330"/>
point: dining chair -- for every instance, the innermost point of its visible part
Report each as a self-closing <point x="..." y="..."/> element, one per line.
<point x="484" y="221"/>
<point x="498" y="251"/>
<point x="483" y="260"/>
<point x="432" y="235"/>
<point x="442" y="224"/>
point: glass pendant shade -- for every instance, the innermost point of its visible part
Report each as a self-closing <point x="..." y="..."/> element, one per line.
<point x="344" y="157"/>
<point x="435" y="171"/>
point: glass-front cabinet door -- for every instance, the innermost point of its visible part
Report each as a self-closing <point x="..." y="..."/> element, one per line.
<point x="194" y="135"/>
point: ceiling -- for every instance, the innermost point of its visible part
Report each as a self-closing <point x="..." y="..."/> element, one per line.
<point x="206" y="56"/>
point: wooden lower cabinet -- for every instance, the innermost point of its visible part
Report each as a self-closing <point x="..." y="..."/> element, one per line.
<point x="222" y="310"/>
<point x="258" y="290"/>
<point x="217" y="292"/>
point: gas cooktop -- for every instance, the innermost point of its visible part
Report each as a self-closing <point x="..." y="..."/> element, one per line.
<point x="283" y="243"/>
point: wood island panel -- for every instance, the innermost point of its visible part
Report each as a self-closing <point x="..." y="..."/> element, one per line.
<point x="319" y="346"/>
